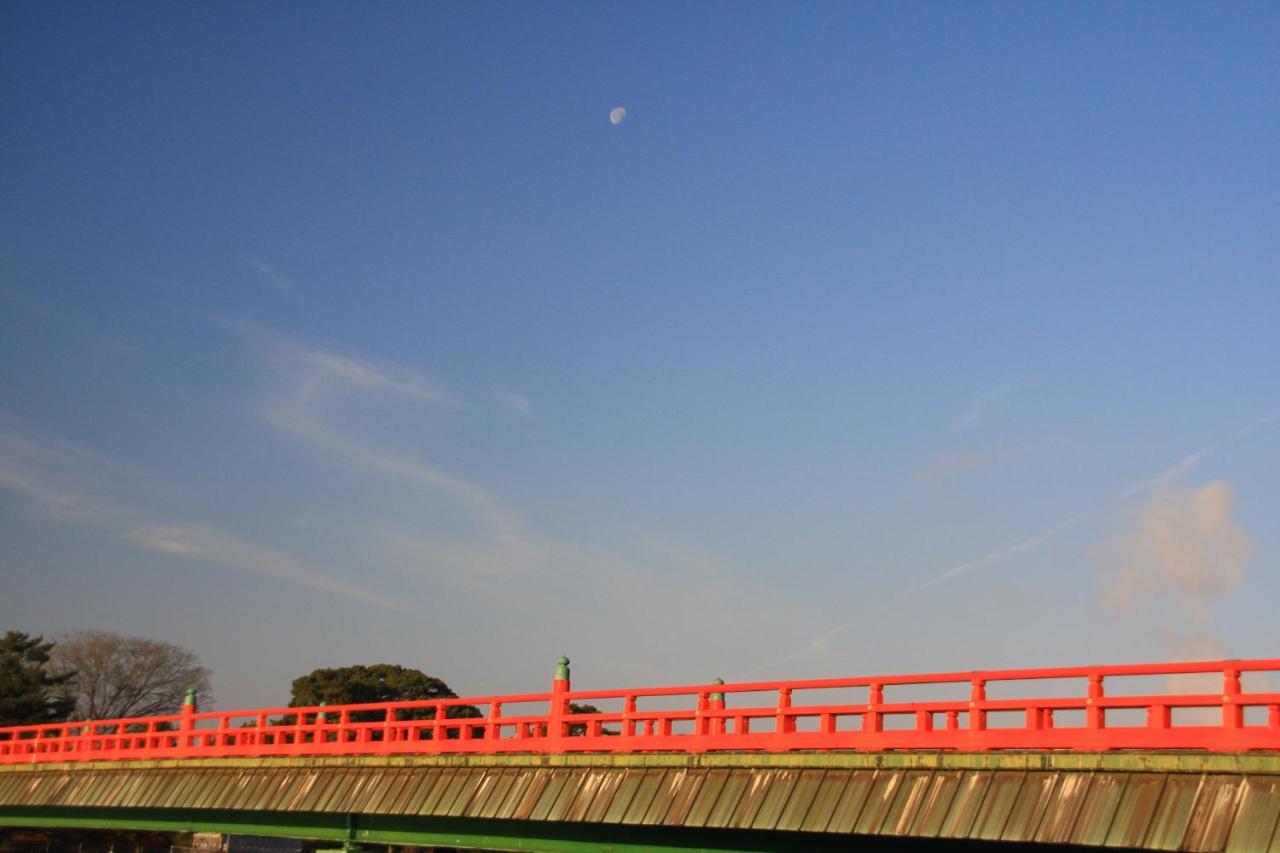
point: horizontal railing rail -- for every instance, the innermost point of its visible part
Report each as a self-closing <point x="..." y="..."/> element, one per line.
<point x="1220" y="706"/>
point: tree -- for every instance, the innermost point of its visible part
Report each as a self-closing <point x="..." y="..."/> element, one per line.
<point x="107" y="675"/>
<point x="381" y="682"/>
<point x="580" y="729"/>
<point x="29" y="694"/>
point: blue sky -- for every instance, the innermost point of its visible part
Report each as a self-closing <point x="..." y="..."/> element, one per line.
<point x="877" y="337"/>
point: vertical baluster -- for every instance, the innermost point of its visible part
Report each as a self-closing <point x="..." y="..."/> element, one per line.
<point x="977" y="715"/>
<point x="1093" y="716"/>
<point x="872" y="720"/>
<point x="1232" y="712"/>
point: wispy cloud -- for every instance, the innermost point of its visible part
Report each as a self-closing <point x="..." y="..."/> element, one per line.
<point x="517" y="403"/>
<point x="977" y="408"/>
<point x="998" y="555"/>
<point x="1212" y="506"/>
<point x="273" y="277"/>
<point x="69" y="485"/>
<point x="306" y="381"/>
<point x="1166" y="476"/>
<point x="949" y="464"/>
<point x="504" y="563"/>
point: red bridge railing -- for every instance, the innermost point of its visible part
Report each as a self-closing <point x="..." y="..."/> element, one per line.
<point x="1220" y="706"/>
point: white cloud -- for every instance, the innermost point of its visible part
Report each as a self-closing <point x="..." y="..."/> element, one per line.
<point x="978" y="407"/>
<point x="998" y="555"/>
<point x="70" y="486"/>
<point x="274" y="277"/>
<point x="518" y="403"/>
<point x="306" y="381"/>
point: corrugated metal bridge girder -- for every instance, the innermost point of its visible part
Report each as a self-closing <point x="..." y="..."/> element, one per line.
<point x="1157" y="801"/>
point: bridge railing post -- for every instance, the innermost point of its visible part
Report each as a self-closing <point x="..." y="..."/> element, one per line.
<point x="1094" y="718"/>
<point x="977" y="695"/>
<point x="559" y="710"/>
<point x="187" y="723"/>
<point x="715" y="702"/>
<point x="1232" y="712"/>
<point x="873" y="720"/>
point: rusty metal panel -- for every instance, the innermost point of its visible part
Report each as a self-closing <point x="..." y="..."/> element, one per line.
<point x="1137" y="807"/>
<point x="1060" y="817"/>
<point x="152" y="785"/>
<point x="240" y="793"/>
<point x="378" y="793"/>
<point x="317" y="791"/>
<point x="673" y="782"/>
<point x="459" y="784"/>
<point x="1173" y="813"/>
<point x="879" y="799"/>
<point x="935" y="803"/>
<point x="650" y="782"/>
<point x="97" y="781"/>
<point x="1213" y="814"/>
<point x="826" y="801"/>
<point x="1098" y="809"/>
<point x="776" y="799"/>
<point x="507" y="808"/>
<point x="55" y="791"/>
<point x="970" y="792"/>
<point x="205" y="790"/>
<point x="997" y="806"/>
<point x="358" y="794"/>
<point x="425" y="799"/>
<point x="299" y="790"/>
<point x="727" y="803"/>
<point x="466" y="790"/>
<point x="111" y="793"/>
<point x="329" y="794"/>
<point x="585" y="795"/>
<point x="531" y="796"/>
<point x="497" y="791"/>
<point x="548" y="793"/>
<point x="605" y="795"/>
<point x="118" y="794"/>
<point x="844" y="812"/>
<point x="684" y="795"/>
<point x="1256" y="819"/>
<point x="418" y="787"/>
<point x="489" y="778"/>
<point x="758" y="785"/>
<point x="622" y="796"/>
<point x="911" y="791"/>
<point x="804" y="793"/>
<point x="705" y="799"/>
<point x="174" y="794"/>
<point x="1028" y="810"/>
<point x="277" y="791"/>
<point x="561" y="805"/>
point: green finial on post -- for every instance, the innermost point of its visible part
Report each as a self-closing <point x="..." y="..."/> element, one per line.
<point x="562" y="669"/>
<point x="717" y="697"/>
<point x="189" y="701"/>
<point x="322" y="717"/>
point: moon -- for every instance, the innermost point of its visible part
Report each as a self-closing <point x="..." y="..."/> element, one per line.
<point x="617" y="114"/>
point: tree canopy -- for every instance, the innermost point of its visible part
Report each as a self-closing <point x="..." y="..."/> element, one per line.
<point x="106" y="675"/>
<point x="381" y="682"/>
<point x="29" y="694"/>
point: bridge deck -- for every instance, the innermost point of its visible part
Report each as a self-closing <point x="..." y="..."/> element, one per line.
<point x="1168" y="801"/>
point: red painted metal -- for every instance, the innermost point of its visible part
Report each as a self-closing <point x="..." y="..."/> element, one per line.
<point x="767" y="716"/>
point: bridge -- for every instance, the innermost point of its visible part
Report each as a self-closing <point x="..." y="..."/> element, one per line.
<point x="1176" y="756"/>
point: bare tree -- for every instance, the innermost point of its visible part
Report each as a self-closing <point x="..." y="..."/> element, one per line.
<point x="112" y="676"/>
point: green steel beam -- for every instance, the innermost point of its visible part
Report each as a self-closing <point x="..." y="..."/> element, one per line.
<point x="349" y="831"/>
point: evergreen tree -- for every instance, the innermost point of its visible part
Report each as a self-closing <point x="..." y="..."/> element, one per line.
<point x="29" y="694"/>
<point x="382" y="682"/>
